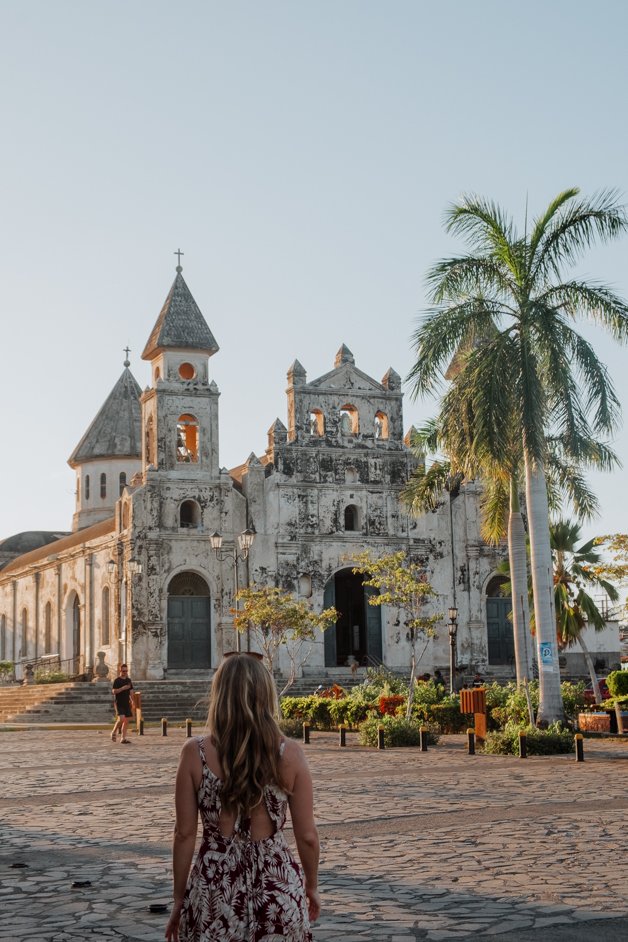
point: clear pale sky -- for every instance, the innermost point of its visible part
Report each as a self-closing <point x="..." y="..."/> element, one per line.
<point x="301" y="155"/>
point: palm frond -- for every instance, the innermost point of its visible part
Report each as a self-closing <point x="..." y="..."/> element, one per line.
<point x="573" y="228"/>
<point x="455" y="278"/>
<point x="593" y="300"/>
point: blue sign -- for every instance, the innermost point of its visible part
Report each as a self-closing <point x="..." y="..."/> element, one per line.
<point x="546" y="653"/>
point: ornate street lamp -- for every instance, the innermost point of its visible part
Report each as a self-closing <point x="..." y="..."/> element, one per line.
<point x="453" y="631"/>
<point x="245" y="542"/>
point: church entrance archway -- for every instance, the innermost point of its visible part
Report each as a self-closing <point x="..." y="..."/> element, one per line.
<point x="72" y="653"/>
<point x="499" y="630"/>
<point x="358" y="629"/>
<point x="189" y="630"/>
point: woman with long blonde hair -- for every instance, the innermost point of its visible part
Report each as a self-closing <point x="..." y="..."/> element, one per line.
<point x="245" y="885"/>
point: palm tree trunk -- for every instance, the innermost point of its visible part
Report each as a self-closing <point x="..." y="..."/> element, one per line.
<point x="590" y="667"/>
<point x="550" y="699"/>
<point x="519" y="584"/>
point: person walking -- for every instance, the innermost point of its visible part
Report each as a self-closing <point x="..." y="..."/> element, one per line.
<point x="123" y="697"/>
<point x="245" y="885"/>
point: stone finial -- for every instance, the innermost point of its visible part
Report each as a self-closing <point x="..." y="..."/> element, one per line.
<point x="296" y="374"/>
<point x="253" y="461"/>
<point x="410" y="438"/>
<point x="391" y="380"/>
<point x="277" y="433"/>
<point x="344" y="355"/>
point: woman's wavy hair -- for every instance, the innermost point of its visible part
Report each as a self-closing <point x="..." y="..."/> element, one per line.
<point x="242" y="719"/>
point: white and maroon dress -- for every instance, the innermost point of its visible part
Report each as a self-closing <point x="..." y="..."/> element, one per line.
<point x="241" y="890"/>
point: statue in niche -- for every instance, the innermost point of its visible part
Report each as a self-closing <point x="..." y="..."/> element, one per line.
<point x="346" y="425"/>
<point x="377" y="424"/>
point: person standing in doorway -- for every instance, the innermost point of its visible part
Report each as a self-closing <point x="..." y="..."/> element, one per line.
<point x="123" y="696"/>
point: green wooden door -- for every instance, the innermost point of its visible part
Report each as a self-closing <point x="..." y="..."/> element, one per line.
<point x="501" y="645"/>
<point x="189" y="639"/>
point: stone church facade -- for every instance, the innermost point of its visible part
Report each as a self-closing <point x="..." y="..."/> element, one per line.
<point x="137" y="580"/>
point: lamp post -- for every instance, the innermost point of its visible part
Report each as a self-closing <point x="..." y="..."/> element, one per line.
<point x="453" y="631"/>
<point x="245" y="542"/>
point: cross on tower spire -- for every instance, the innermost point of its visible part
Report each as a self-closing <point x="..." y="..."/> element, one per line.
<point x="179" y="253"/>
<point x="127" y="362"/>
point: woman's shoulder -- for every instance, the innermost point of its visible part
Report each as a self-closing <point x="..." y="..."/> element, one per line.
<point x="291" y="752"/>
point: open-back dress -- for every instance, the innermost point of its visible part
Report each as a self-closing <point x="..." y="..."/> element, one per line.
<point x="241" y="890"/>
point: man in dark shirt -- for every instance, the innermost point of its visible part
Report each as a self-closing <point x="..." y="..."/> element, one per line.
<point x="123" y="696"/>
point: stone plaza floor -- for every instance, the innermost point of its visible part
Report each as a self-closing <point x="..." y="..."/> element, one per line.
<point x="437" y="845"/>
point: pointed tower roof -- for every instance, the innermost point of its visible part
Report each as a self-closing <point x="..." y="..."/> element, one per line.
<point x="344" y="355"/>
<point x="180" y="324"/>
<point x="116" y="430"/>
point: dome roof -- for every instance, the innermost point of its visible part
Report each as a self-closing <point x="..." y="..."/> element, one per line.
<point x="21" y="543"/>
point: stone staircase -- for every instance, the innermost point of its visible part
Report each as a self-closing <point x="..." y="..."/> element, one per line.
<point x="177" y="700"/>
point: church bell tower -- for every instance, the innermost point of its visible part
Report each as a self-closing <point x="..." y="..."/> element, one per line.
<point x="180" y="408"/>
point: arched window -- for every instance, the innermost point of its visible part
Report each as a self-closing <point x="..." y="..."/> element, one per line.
<point x="3" y="637"/>
<point x="381" y="425"/>
<point x="48" y="629"/>
<point x="24" y="648"/>
<point x="351" y="517"/>
<point x="189" y="514"/>
<point x="103" y="485"/>
<point x="187" y="438"/>
<point x="104" y="633"/>
<point x="86" y="487"/>
<point x="317" y="423"/>
<point x="122" y="480"/>
<point x="349" y="420"/>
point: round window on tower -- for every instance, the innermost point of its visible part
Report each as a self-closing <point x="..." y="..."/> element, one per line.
<point x="187" y="371"/>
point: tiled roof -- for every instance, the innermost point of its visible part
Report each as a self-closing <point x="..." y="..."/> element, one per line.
<point x="180" y="324"/>
<point x="58" y="547"/>
<point x="116" y="430"/>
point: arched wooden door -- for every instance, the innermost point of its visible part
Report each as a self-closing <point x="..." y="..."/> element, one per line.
<point x="189" y="628"/>
<point x="500" y="636"/>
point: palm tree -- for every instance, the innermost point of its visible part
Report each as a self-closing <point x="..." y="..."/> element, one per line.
<point x="574" y="573"/>
<point x="528" y="370"/>
<point x="500" y="501"/>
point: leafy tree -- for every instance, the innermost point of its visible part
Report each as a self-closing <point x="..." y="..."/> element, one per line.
<point x="402" y="583"/>
<point x="575" y="574"/>
<point x="276" y="619"/>
<point x="528" y="372"/>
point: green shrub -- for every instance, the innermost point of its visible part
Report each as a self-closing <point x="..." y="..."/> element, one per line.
<point x="292" y="727"/>
<point x="617" y="683"/>
<point x="554" y="740"/>
<point x="427" y="692"/>
<point x="379" y="680"/>
<point x="447" y="716"/>
<point x="508" y="704"/>
<point x="397" y="731"/>
<point x="6" y="669"/>
<point x="316" y="710"/>
<point x="51" y="677"/>
<point x="349" y="711"/>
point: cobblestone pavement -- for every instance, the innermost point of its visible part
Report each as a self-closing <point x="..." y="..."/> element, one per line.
<point x="437" y="845"/>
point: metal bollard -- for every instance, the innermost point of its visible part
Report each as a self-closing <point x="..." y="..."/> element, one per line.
<point x="523" y="745"/>
<point x="423" y="739"/>
<point x="188" y="728"/>
<point x="471" y="741"/>
<point x="141" y="729"/>
<point x="306" y="733"/>
<point x="343" y="734"/>
<point x="380" y="737"/>
<point x="579" y="747"/>
<point x="164" y="726"/>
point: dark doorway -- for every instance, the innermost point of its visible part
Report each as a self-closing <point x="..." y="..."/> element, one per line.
<point x="189" y="634"/>
<point x="500" y="637"/>
<point x="358" y="630"/>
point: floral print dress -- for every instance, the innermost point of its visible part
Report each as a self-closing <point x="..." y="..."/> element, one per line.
<point x="241" y="890"/>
